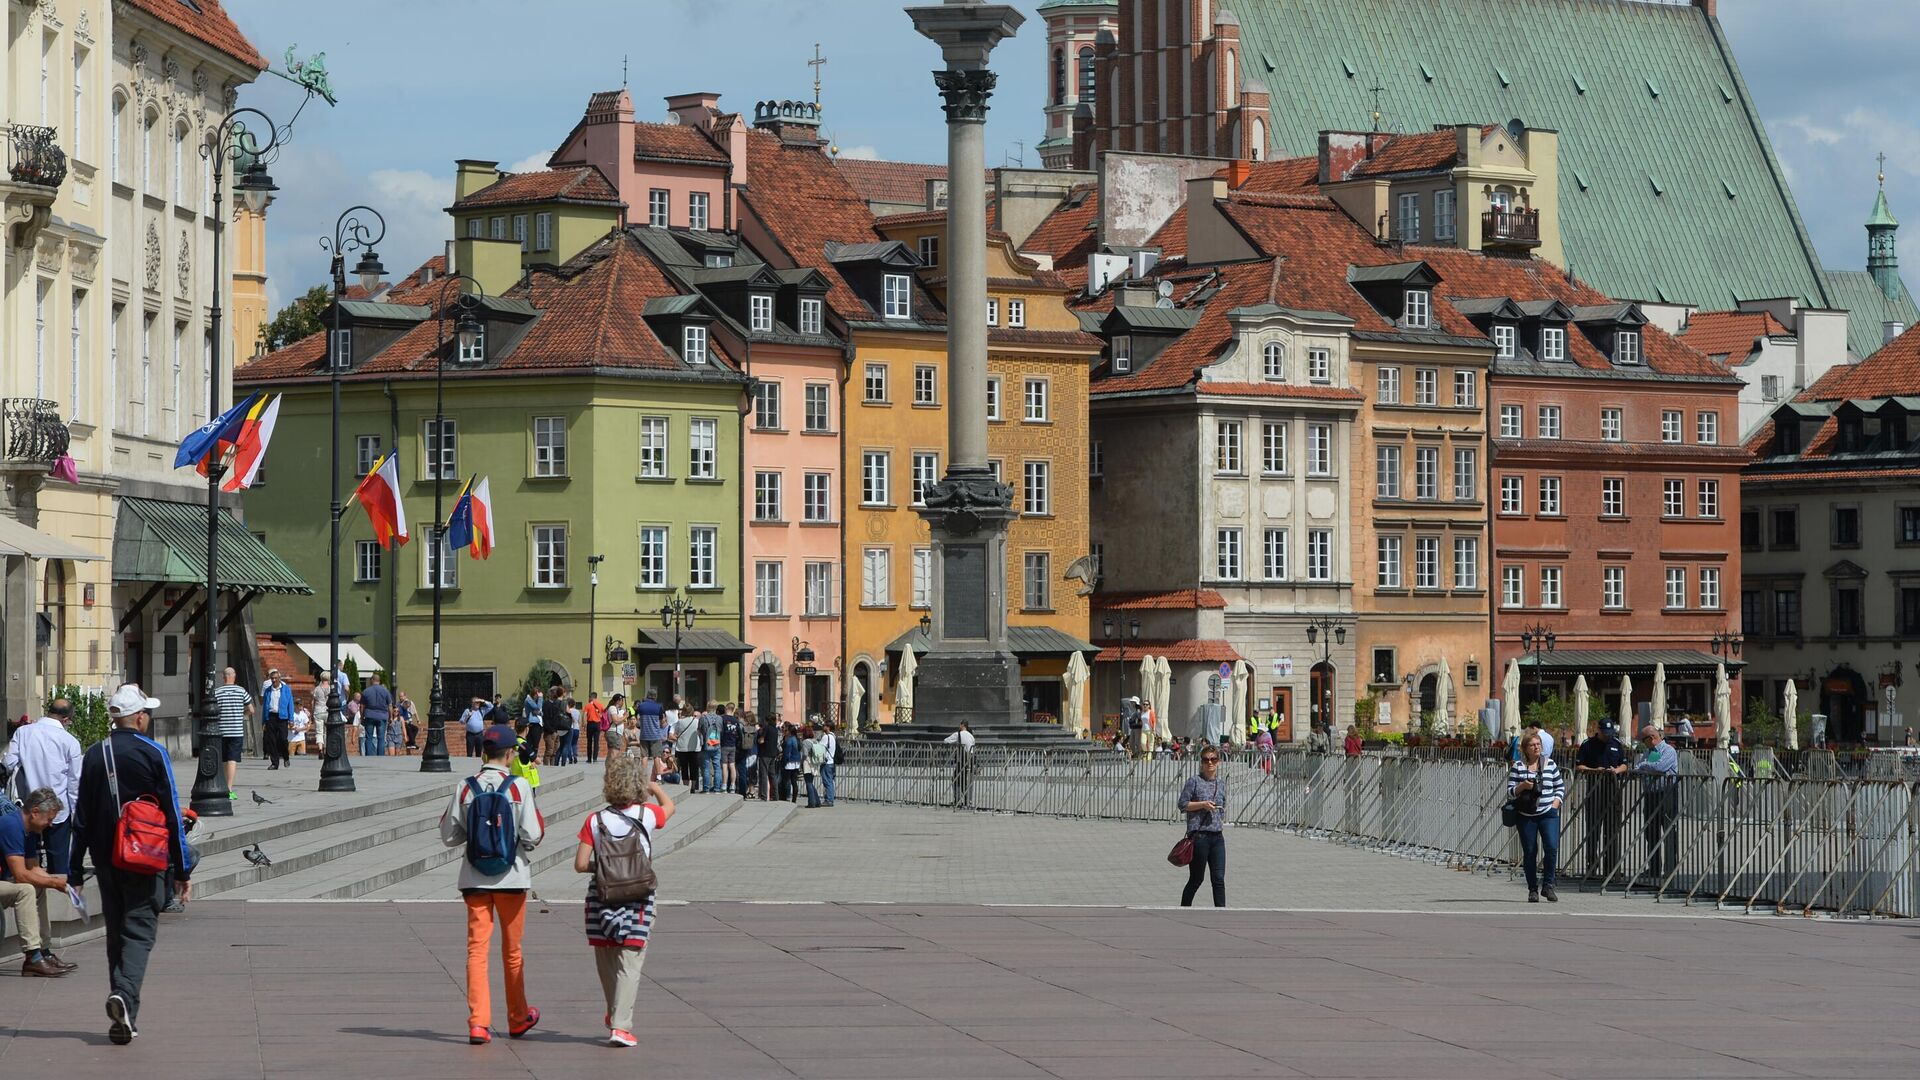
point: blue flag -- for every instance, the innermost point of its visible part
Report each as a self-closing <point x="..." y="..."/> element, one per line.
<point x="205" y="440"/>
<point x="460" y="522"/>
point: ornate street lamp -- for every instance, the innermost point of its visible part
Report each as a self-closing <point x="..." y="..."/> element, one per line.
<point x="1107" y="631"/>
<point x="351" y="232"/>
<point x="1536" y="641"/>
<point x="1328" y="631"/>
<point x="677" y="615"/>
<point x="1726" y="643"/>
<point x="469" y="331"/>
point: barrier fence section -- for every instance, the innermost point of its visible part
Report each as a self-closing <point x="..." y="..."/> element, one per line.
<point x="1793" y="846"/>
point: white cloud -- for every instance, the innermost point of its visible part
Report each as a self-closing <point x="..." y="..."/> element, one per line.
<point x="860" y="153"/>
<point x="531" y="163"/>
<point x="1812" y="132"/>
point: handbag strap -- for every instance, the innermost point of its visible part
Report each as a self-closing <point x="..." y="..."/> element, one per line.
<point x="113" y="780"/>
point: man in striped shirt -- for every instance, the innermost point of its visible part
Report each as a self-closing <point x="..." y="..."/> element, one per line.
<point x="236" y="705"/>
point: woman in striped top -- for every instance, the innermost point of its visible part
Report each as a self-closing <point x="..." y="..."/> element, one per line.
<point x="1537" y="789"/>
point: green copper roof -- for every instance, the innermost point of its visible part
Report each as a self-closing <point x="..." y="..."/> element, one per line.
<point x="1881" y="215"/>
<point x="1637" y="91"/>
<point x="1867" y="307"/>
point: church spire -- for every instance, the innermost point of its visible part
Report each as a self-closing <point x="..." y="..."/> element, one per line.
<point x="1882" y="263"/>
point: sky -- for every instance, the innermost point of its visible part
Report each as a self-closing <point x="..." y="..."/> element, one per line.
<point x="423" y="82"/>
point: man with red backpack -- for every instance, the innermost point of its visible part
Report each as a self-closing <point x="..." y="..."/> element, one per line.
<point x="128" y="822"/>
<point x="494" y="817"/>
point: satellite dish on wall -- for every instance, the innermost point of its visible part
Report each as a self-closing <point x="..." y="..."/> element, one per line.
<point x="1165" y="289"/>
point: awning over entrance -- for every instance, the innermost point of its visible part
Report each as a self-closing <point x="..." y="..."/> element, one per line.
<point x="697" y="641"/>
<point x="1572" y="662"/>
<point x="18" y="539"/>
<point x="160" y="541"/>
<point x="350" y="653"/>
<point x="1025" y="641"/>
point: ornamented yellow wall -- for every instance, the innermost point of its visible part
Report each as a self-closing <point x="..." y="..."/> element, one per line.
<point x="250" y="312"/>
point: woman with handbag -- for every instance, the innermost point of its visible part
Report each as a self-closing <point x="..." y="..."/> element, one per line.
<point x="1204" y="800"/>
<point x="620" y="892"/>
<point x="1536" y="788"/>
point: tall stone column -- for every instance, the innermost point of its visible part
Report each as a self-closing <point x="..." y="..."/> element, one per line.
<point x="970" y="674"/>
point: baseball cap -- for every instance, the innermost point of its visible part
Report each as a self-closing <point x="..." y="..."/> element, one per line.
<point x="130" y="699"/>
<point x="499" y="737"/>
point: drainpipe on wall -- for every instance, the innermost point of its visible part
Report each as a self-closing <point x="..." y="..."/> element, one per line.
<point x="1492" y="670"/>
<point x="393" y="574"/>
<point x="746" y="492"/>
<point x="840" y="669"/>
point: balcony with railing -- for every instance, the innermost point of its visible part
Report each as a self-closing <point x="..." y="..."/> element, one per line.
<point x="36" y="167"/>
<point x="32" y="434"/>
<point x="1517" y="227"/>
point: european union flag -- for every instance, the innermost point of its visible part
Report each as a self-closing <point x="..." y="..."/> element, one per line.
<point x="460" y="522"/>
<point x="206" y="440"/>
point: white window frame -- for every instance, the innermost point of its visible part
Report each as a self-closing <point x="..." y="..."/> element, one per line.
<point x="812" y="314"/>
<point x="549" y="551"/>
<point x="926" y="384"/>
<point x="1466" y="389"/>
<point x="1676" y="588"/>
<point x="993" y="398"/>
<point x="769" y="587"/>
<point x="1274" y="459"/>
<point x="1016" y="313"/>
<point x="926" y="473"/>
<point x="1387" y="470"/>
<point x="818" y="416"/>
<point x="1426" y="562"/>
<point x="1707" y="498"/>
<point x="703" y="557"/>
<point x="1709" y="581"/>
<point x="520" y="232"/>
<point x="1548" y="422"/>
<point x="543" y="231"/>
<point x="1387" y="385"/>
<point x="1506" y="341"/>
<point x="1551" y="580"/>
<point x="1673" y="498"/>
<point x="1611" y="425"/>
<point x="1036" y="579"/>
<point x="1273" y="555"/>
<point x="1273" y="362"/>
<point x="549" y="446"/>
<point x="1319" y="450"/>
<point x="1513" y="586"/>
<point x="1426" y="473"/>
<point x="896" y="295"/>
<point x="873" y="384"/>
<point x="1550" y="491"/>
<point x="1706" y="428"/>
<point x="436" y="544"/>
<point x="654" y="541"/>
<point x="766" y="405"/>
<point x="1466" y="474"/>
<point x="1626" y="347"/>
<point x="876" y="577"/>
<point x="1671" y="421"/>
<point x="760" y="313"/>
<point x="366" y="561"/>
<point x="444" y="458"/>
<point x="1320" y="365"/>
<point x="1036" y="488"/>
<point x="1035" y="406"/>
<point x="693" y="344"/>
<point x="1426" y="386"/>
<point x="653" y="447"/>
<point x="1389" y="560"/>
<point x="1319" y="554"/>
<point x="1613" y="588"/>
<point x="1417" y="314"/>
<point x="1406" y="221"/>
<point x="1122" y="353"/>
<point x="703" y="448"/>
<point x="993" y="311"/>
<point x="1512" y="495"/>
<point x="1512" y="422"/>
<point x="1443" y="214"/>
<point x="1229" y="458"/>
<point x="876" y="467"/>
<point x="659" y="207"/>
<point x="699" y="203"/>
<point x="498" y="227"/>
<point x="816" y="498"/>
<point x="1613" y="496"/>
<point x="819" y="589"/>
<point x="1553" y="343"/>
<point x="929" y="247"/>
<point x="1228" y="554"/>
<point x="921" y="596"/>
<point x="767" y="495"/>
<point x="1466" y="562"/>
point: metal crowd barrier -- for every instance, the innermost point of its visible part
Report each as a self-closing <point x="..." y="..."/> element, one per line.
<point x="1791" y="846"/>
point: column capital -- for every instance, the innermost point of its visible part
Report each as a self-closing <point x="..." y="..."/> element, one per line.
<point x="966" y="94"/>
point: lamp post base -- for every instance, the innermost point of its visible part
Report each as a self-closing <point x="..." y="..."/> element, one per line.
<point x="210" y="795"/>
<point x="336" y="772"/>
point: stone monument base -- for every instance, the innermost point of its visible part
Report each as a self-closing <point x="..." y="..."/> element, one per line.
<point x="978" y="687"/>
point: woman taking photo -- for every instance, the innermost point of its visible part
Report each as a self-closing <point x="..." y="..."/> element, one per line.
<point x="1537" y="789"/>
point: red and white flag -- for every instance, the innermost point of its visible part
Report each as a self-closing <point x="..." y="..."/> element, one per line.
<point x="379" y="496"/>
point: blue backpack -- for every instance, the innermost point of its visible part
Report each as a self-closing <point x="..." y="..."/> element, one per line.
<point x="493" y="838"/>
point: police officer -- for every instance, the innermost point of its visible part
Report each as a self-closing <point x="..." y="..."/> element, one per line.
<point x="1604" y="761"/>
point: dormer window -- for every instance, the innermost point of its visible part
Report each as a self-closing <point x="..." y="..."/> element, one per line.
<point x="930" y="251"/>
<point x="342" y="350"/>
<point x="760" y="313"/>
<point x="1553" y="343"/>
<point x="811" y="312"/>
<point x="1273" y="362"/>
<point x="1626" y="346"/>
<point x="1016" y="313"/>
<point x="477" y="352"/>
<point x="718" y="259"/>
<point x="693" y="344"/>
<point x="1122" y="354"/>
<point x="1505" y="341"/>
<point x="893" y="292"/>
<point x="993" y="312"/>
<point x="1416" y="314"/>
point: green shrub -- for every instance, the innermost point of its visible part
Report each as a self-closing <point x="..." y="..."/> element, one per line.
<point x="90" y="722"/>
<point x="1366" y="715"/>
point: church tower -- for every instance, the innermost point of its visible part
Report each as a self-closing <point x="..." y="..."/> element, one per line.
<point x="1073" y="27"/>
<point x="1882" y="263"/>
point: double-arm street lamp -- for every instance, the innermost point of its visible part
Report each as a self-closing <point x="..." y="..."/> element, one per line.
<point x="360" y="228"/>
<point x="677" y="615"/>
<point x="1327" y="631"/>
<point x="1536" y="641"/>
<point x="1726" y="643"/>
<point x="233" y="139"/>
<point x="1108" y="630"/>
<point x="471" y="334"/>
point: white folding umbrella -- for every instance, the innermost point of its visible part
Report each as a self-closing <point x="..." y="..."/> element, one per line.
<point x="1443" y="697"/>
<point x="1149" y="676"/>
<point x="1660" y="696"/>
<point x="1723" y="708"/>
<point x="1580" y="709"/>
<point x="1242" y="685"/>
<point x="1073" y="683"/>
<point x="854" y="693"/>
<point x="1793" y="715"/>
<point x="903" y="693"/>
<point x="1162" y="694"/>
<point x="1510" y="695"/>
<point x="1626" y="703"/>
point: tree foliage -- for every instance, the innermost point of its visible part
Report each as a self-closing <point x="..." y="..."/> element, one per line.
<point x="296" y="320"/>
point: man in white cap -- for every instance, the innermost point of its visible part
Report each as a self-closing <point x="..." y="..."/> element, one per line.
<point x="123" y="767"/>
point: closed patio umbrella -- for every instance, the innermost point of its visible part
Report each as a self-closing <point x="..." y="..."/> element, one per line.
<point x="1443" y="698"/>
<point x="1149" y="675"/>
<point x="1580" y="710"/>
<point x="903" y="693"/>
<point x="1722" y="708"/>
<point x="1660" y="697"/>
<point x="855" y="692"/>
<point x="1626" y="703"/>
<point x="1792" y="717"/>
<point x="1242" y="684"/>
<point x="1074" y="683"/>
<point x="1162" y="694"/>
<point x="1510" y="698"/>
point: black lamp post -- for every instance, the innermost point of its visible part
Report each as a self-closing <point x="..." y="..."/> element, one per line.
<point x="593" y="590"/>
<point x="470" y="332"/>
<point x="1107" y="631"/>
<point x="1328" y="631"/>
<point x="350" y="233"/>
<point x="232" y="139"/>
<point x="1536" y="641"/>
<point x="677" y="615"/>
<point x="1726" y="643"/>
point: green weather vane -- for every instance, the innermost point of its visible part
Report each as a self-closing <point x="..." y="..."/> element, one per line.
<point x="310" y="73"/>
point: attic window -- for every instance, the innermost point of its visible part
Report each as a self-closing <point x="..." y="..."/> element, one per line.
<point x="1417" y="314"/>
<point x="719" y="259"/>
<point x="1553" y="343"/>
<point x="1579" y="85"/>
<point x="1728" y="188"/>
<point x="1347" y="66"/>
<point x="893" y="289"/>
<point x="1579" y="178"/>
<point x="1654" y="182"/>
<point x="1626" y="347"/>
<point x="1505" y="341"/>
<point x="760" y="315"/>
<point x="1425" y="71"/>
<point x="1122" y="353"/>
<point x="477" y="352"/>
<point x="1726" y="95"/>
<point x="693" y="344"/>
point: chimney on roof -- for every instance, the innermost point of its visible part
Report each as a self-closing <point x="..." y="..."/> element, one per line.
<point x="694" y="110"/>
<point x="1891" y="329"/>
<point x="1710" y="7"/>
<point x="470" y="175"/>
<point x="789" y="121"/>
<point x="1238" y="171"/>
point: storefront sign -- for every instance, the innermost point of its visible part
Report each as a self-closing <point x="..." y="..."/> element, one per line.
<point x="1283" y="666"/>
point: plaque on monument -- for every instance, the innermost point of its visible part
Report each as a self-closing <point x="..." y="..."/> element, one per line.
<point x="964" y="593"/>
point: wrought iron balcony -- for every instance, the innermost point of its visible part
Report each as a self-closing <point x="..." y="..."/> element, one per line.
<point x="33" y="432"/>
<point x="33" y="158"/>
<point x="1517" y="228"/>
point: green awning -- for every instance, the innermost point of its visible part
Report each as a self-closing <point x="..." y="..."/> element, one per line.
<point x="698" y="640"/>
<point x="157" y="540"/>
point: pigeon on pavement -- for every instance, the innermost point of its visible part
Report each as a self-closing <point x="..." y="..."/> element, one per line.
<point x="259" y="799"/>
<point x="257" y="857"/>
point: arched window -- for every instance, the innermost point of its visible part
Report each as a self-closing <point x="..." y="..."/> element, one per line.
<point x="148" y="132"/>
<point x="1274" y="362"/>
<point x="1233" y="78"/>
<point x="119" y="134"/>
<point x="1059" y="76"/>
<point x="1258" y="143"/>
<point x="1086" y="73"/>
<point x="179" y="163"/>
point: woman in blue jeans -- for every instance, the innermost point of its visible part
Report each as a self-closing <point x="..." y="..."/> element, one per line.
<point x="1204" y="800"/>
<point x="1537" y="789"/>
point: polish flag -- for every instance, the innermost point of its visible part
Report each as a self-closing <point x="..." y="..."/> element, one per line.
<point x="250" y="444"/>
<point x="379" y="496"/>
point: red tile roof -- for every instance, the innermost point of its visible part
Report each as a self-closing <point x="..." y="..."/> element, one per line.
<point x="1893" y="369"/>
<point x="210" y="24"/>
<point x="1734" y="335"/>
<point x="1070" y="232"/>
<point x="675" y="142"/>
<point x="1171" y="600"/>
<point x="1297" y="175"/>
<point x="1822" y="475"/>
<point x="1052" y="339"/>
<point x="889" y="181"/>
<point x="568" y="184"/>
<point x="589" y="317"/>
<point x="1425" y="152"/>
<point x="1182" y="651"/>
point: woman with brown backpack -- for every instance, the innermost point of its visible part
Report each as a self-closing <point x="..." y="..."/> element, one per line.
<point x="616" y="848"/>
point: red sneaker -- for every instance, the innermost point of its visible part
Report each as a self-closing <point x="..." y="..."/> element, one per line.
<point x="521" y="1028"/>
<point x="479" y="1036"/>
<point x="616" y="1037"/>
